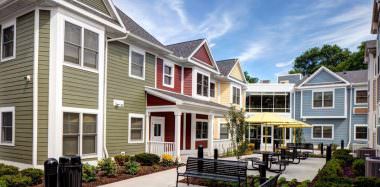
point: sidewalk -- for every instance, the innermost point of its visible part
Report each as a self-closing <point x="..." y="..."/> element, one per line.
<point x="161" y="179"/>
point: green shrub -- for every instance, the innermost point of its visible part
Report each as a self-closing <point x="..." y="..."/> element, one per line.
<point x="334" y="147"/>
<point x="305" y="183"/>
<point x="108" y="167"/>
<point x="167" y="160"/>
<point x="293" y="182"/>
<point x="121" y="159"/>
<point x="343" y="154"/>
<point x="88" y="173"/>
<point x="8" y="170"/>
<point x="3" y="183"/>
<point x="358" y="167"/>
<point x="367" y="182"/>
<point x="16" y="180"/>
<point x="333" y="168"/>
<point x="147" y="159"/>
<point x="132" y="167"/>
<point x="35" y="174"/>
<point x="281" y="180"/>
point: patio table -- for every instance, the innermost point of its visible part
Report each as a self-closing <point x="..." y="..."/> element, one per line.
<point x="254" y="161"/>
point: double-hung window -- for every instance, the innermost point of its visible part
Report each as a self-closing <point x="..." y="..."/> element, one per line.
<point x="168" y="73"/>
<point x="236" y="94"/>
<point x="137" y="63"/>
<point x="8" y="41"/>
<point x="323" y="132"/>
<point x="361" y="132"/>
<point x="361" y="97"/>
<point x="323" y="99"/>
<point x="79" y="133"/>
<point x="202" y="85"/>
<point x="212" y="89"/>
<point x="81" y="46"/>
<point x="201" y="130"/>
<point x="7" y="125"/>
<point x="223" y="131"/>
<point x="136" y="128"/>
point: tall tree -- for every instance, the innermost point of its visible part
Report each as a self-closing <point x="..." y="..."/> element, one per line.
<point x="249" y="78"/>
<point x="330" y="56"/>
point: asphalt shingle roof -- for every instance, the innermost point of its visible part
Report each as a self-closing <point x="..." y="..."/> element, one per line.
<point x="136" y="29"/>
<point x="356" y="76"/>
<point x="184" y="49"/>
<point x="225" y="66"/>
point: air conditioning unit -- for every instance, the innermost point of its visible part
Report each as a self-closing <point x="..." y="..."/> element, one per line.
<point x="372" y="167"/>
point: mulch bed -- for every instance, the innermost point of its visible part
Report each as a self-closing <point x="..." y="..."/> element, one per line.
<point x="101" y="180"/>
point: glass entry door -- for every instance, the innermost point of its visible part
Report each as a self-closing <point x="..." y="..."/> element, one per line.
<point x="255" y="135"/>
<point x="267" y="137"/>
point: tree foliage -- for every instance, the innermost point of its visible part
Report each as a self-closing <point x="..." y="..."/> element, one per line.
<point x="249" y="78"/>
<point x="331" y="56"/>
<point x="237" y="127"/>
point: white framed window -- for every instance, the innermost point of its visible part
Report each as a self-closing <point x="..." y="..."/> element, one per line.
<point x="236" y="95"/>
<point x="323" y="132"/>
<point x="212" y="89"/>
<point x="361" y="96"/>
<point x="7" y="126"/>
<point x="168" y="74"/>
<point x="203" y="82"/>
<point x="8" y="41"/>
<point x="136" y="63"/>
<point x="81" y="47"/>
<point x="323" y="99"/>
<point x="201" y="129"/>
<point x="79" y="134"/>
<point x="136" y="128"/>
<point x="361" y="132"/>
<point x="223" y="131"/>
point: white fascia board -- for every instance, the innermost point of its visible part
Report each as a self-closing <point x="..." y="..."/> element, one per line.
<point x="319" y="70"/>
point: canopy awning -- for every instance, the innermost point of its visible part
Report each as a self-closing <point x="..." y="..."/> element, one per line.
<point x="277" y="120"/>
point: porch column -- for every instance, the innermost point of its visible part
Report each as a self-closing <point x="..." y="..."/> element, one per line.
<point x="193" y="127"/>
<point x="210" y="142"/>
<point x="177" y="134"/>
<point x="147" y="128"/>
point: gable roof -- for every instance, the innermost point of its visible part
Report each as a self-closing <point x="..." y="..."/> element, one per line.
<point x="185" y="49"/>
<point x="136" y="29"/>
<point x="322" y="68"/>
<point x="226" y="66"/>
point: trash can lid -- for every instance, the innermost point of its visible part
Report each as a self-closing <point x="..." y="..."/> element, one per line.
<point x="64" y="160"/>
<point x="51" y="161"/>
<point x="75" y="160"/>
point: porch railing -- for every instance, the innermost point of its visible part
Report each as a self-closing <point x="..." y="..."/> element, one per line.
<point x="223" y="146"/>
<point x="160" y="148"/>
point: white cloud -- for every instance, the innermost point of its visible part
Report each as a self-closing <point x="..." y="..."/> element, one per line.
<point x="253" y="52"/>
<point x="284" y="64"/>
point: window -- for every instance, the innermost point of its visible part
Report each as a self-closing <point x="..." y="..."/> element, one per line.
<point x="136" y="128"/>
<point x="157" y="129"/>
<point x="202" y="85"/>
<point x="201" y="130"/>
<point x="322" y="131"/>
<point x="7" y="126"/>
<point x="323" y="99"/>
<point x="361" y="132"/>
<point x="83" y="53"/>
<point x="168" y="75"/>
<point x="268" y="102"/>
<point x="361" y="97"/>
<point x="137" y="63"/>
<point x="79" y="133"/>
<point x="223" y="131"/>
<point x="8" y="41"/>
<point x="236" y="95"/>
<point x="212" y="89"/>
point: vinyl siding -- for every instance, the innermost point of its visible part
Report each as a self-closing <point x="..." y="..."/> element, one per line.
<point x="15" y="91"/>
<point x="121" y="86"/>
<point x="237" y="73"/>
<point x="43" y="86"/>
<point x="339" y="104"/>
<point x="323" y="77"/>
<point x="225" y="93"/>
<point x="216" y="98"/>
<point x="341" y="128"/>
<point x="96" y="4"/>
<point x="80" y="88"/>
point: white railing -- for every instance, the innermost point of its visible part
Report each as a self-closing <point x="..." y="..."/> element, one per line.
<point x="355" y="146"/>
<point x="223" y="145"/>
<point x="160" y="148"/>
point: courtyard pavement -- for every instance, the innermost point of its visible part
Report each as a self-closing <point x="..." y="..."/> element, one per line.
<point x="306" y="170"/>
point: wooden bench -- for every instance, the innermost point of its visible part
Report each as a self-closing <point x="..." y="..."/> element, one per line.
<point x="218" y="170"/>
<point x="272" y="182"/>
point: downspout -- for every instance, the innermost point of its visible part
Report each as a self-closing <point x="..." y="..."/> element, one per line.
<point x="349" y="122"/>
<point x="105" y="92"/>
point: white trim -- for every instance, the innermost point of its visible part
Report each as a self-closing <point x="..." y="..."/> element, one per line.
<point x="219" y="126"/>
<point x="182" y="78"/>
<point x="8" y="109"/>
<point x="194" y="81"/>
<point x="134" y="115"/>
<point x="232" y="95"/>
<point x="159" y="119"/>
<point x="4" y="26"/>
<point x="360" y="89"/>
<point x="213" y="82"/>
<point x="172" y="66"/>
<point x="299" y="74"/>
<point x="328" y="71"/>
<point x="203" y="121"/>
<point x="360" y="125"/>
<point x="322" y="136"/>
<point x="141" y="52"/>
<point x="204" y="42"/>
<point x="323" y="96"/>
<point x="35" y="85"/>
<point x="241" y="70"/>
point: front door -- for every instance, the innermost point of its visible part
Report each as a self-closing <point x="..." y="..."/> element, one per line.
<point x="157" y="129"/>
<point x="267" y="138"/>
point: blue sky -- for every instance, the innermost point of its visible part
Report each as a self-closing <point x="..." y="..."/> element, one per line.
<point x="266" y="35"/>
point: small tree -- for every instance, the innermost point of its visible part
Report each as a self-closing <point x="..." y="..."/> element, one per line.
<point x="298" y="133"/>
<point x="237" y="127"/>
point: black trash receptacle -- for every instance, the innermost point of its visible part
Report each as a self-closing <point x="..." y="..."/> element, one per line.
<point x="70" y="171"/>
<point x="51" y="172"/>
